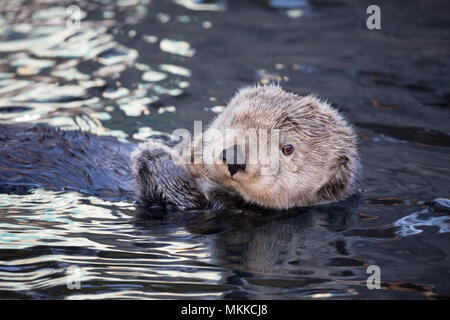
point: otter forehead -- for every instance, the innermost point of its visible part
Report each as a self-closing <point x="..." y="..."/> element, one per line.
<point x="270" y="107"/>
<point x="262" y="107"/>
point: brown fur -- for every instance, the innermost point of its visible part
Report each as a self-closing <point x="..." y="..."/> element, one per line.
<point x="323" y="168"/>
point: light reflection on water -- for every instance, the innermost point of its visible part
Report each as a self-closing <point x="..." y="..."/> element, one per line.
<point x="138" y="69"/>
<point x="97" y="236"/>
<point x="60" y="71"/>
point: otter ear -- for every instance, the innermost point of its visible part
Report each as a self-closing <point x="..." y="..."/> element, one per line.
<point x="336" y="187"/>
<point x="341" y="161"/>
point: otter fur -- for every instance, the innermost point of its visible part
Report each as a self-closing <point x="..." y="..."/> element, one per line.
<point x="321" y="165"/>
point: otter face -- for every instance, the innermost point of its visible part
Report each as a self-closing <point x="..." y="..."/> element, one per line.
<point x="279" y="150"/>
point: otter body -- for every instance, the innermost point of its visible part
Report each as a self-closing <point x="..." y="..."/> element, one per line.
<point x="46" y="157"/>
<point x="316" y="157"/>
<point x="312" y="158"/>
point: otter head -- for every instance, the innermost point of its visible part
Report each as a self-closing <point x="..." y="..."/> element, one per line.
<point x="279" y="150"/>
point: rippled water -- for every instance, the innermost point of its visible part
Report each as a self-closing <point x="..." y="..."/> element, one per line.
<point x="137" y="69"/>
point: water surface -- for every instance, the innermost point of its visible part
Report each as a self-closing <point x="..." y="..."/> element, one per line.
<point x="138" y="69"/>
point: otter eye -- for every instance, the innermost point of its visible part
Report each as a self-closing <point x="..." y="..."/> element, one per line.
<point x="287" y="149"/>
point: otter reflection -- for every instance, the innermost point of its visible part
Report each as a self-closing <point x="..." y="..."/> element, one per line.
<point x="302" y="241"/>
<point x="259" y="240"/>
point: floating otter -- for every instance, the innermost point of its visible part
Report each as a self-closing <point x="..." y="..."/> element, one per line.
<point x="316" y="155"/>
<point x="38" y="155"/>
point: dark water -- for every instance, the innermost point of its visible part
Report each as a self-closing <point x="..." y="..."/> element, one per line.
<point x="139" y="69"/>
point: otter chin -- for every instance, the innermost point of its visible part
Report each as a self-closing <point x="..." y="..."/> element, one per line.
<point x="269" y="147"/>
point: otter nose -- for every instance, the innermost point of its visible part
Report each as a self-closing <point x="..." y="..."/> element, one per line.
<point x="234" y="159"/>
<point x="233" y="168"/>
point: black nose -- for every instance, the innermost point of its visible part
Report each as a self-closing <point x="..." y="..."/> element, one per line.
<point x="234" y="160"/>
<point x="233" y="168"/>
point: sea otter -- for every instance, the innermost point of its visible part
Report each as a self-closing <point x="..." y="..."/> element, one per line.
<point x="316" y="157"/>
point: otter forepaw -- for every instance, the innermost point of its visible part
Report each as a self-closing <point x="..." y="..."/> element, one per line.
<point x="160" y="180"/>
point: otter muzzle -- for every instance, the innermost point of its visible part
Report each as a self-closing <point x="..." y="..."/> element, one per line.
<point x="234" y="159"/>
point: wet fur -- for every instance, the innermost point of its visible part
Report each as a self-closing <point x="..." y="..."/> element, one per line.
<point x="38" y="155"/>
<point x="326" y="164"/>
